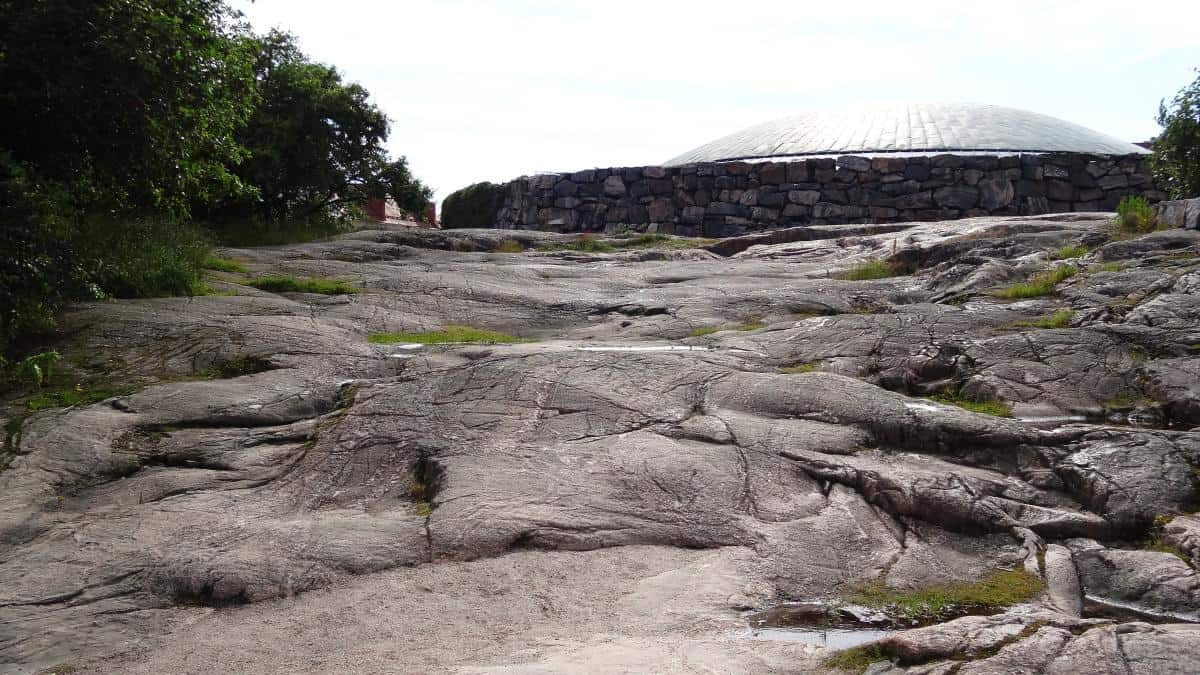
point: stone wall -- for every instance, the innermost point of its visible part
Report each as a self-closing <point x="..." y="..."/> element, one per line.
<point x="730" y="198"/>
<point x="1183" y="213"/>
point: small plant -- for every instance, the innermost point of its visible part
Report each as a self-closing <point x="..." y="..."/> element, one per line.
<point x="655" y="240"/>
<point x="872" y="269"/>
<point x="450" y="334"/>
<point x="510" y="246"/>
<point x="810" y="367"/>
<point x="279" y="283"/>
<point x="1069" y="251"/>
<point x="1155" y="542"/>
<point x="423" y="508"/>
<point x="1060" y="319"/>
<point x="1040" y="285"/>
<point x="219" y="264"/>
<point x="35" y="370"/>
<point x="584" y="244"/>
<point x="1135" y="215"/>
<point x="954" y="398"/>
<point x="1109" y="267"/>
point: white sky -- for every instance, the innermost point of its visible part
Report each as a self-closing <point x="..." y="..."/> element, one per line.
<point x="494" y="90"/>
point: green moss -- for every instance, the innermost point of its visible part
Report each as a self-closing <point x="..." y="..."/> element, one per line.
<point x="219" y="264"/>
<point x="230" y="368"/>
<point x="423" y="509"/>
<point x="74" y="396"/>
<point x="954" y="398"/>
<point x="704" y="330"/>
<point x="447" y="335"/>
<point x="995" y="591"/>
<point x="872" y="269"/>
<point x="751" y="323"/>
<point x="1040" y="285"/>
<point x="1060" y="319"/>
<point x="279" y="283"/>
<point x="1109" y="267"/>
<point x="584" y="244"/>
<point x="510" y="246"/>
<point x="801" y="368"/>
<point x="858" y="659"/>
<point x="1069" y="251"/>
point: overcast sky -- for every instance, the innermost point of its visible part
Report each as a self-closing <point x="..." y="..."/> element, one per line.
<point x="493" y="90"/>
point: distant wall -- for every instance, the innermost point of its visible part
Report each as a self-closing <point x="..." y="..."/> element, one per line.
<point x="730" y="198"/>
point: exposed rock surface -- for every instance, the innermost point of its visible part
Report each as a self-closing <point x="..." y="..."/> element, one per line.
<point x="620" y="494"/>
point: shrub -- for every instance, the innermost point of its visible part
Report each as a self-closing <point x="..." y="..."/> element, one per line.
<point x="1040" y="285"/>
<point x="447" y="335"/>
<point x="473" y="206"/>
<point x="1135" y="215"/>
<point x="1175" y="159"/>
<point x="278" y="283"/>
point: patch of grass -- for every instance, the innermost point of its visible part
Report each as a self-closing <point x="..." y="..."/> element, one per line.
<point x="1069" y="251"/>
<point x="584" y="244"/>
<point x="954" y="398"/>
<point x="1154" y="540"/>
<point x="1040" y="285"/>
<point x="280" y="283"/>
<point x="60" y="669"/>
<point x="751" y="323"/>
<point x="1108" y="267"/>
<point x="662" y="241"/>
<point x="510" y="246"/>
<point x="872" y="269"/>
<point x="212" y="262"/>
<point x="810" y="367"/>
<point x="996" y="591"/>
<point x="423" y="509"/>
<point x="74" y="396"/>
<point x="704" y="330"/>
<point x="448" y="334"/>
<point x="1060" y="319"/>
<point x="858" y="659"/>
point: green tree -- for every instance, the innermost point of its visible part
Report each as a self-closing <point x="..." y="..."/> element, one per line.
<point x="314" y="144"/>
<point x="130" y="104"/>
<point x="1176" y="157"/>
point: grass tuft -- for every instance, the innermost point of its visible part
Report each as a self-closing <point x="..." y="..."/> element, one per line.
<point x="872" y="269"/>
<point x="1040" y="285"/>
<point x="954" y="398"/>
<point x="1154" y="540"/>
<point x="279" y="283"/>
<point x="997" y="590"/>
<point x="751" y="323"/>
<point x="662" y="241"/>
<point x="1060" y="319"/>
<point x="858" y="659"/>
<point x="1109" y="267"/>
<point x="448" y="335"/>
<point x="1135" y="216"/>
<point x="510" y="246"/>
<point x="219" y="264"/>
<point x="1069" y="251"/>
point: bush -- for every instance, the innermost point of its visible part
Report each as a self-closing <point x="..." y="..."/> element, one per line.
<point x="1175" y="160"/>
<point x="1135" y="215"/>
<point x="473" y="206"/>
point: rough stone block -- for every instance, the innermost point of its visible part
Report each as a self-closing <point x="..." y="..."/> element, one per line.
<point x="1060" y="190"/>
<point x="654" y="172"/>
<point x="772" y="173"/>
<point x="853" y="163"/>
<point x="805" y="197"/>
<point x="614" y="186"/>
<point x="956" y="197"/>
<point x="995" y="193"/>
<point x="798" y="172"/>
<point x="1112" y="182"/>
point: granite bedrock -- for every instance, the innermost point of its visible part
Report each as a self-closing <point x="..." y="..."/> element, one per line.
<point x="723" y="199"/>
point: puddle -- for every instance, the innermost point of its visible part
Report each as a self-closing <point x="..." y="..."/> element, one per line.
<point x="1105" y="608"/>
<point x="927" y="407"/>
<point x="1052" y="420"/>
<point x="834" y="638"/>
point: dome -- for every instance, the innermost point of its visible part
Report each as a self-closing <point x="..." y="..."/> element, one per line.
<point x="908" y="128"/>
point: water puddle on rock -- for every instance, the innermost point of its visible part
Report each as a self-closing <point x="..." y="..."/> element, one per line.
<point x="834" y="638"/>
<point x="818" y="623"/>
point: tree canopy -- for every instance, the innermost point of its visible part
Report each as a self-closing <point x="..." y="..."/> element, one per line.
<point x="1176" y="158"/>
<point x="131" y="126"/>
